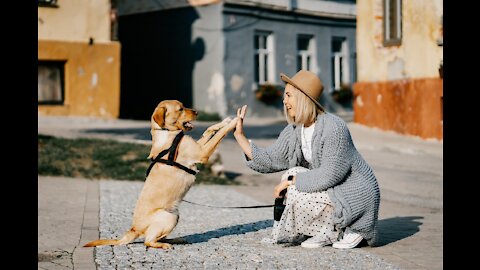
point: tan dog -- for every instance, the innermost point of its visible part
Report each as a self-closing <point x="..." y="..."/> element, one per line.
<point x="156" y="212"/>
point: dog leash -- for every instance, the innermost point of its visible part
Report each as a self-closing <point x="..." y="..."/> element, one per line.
<point x="241" y="207"/>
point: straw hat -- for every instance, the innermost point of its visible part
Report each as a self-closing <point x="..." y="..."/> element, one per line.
<point x="308" y="83"/>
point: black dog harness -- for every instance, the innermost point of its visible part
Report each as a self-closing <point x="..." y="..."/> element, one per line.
<point x="172" y="153"/>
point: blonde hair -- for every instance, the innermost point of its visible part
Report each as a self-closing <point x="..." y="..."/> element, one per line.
<point x="305" y="109"/>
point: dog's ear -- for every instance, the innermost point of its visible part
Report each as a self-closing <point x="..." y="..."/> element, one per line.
<point x="159" y="116"/>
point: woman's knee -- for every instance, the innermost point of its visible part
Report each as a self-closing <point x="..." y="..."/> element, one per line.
<point x="293" y="171"/>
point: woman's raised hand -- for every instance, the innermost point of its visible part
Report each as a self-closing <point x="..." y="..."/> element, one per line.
<point x="240" y="115"/>
<point x="239" y="135"/>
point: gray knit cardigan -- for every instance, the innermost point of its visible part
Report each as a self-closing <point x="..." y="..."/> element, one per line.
<point x="337" y="167"/>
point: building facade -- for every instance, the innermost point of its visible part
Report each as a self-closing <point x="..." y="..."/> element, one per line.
<point x="78" y="64"/>
<point x="216" y="56"/>
<point x="400" y="66"/>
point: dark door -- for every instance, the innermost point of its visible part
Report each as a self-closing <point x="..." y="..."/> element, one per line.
<point x="156" y="60"/>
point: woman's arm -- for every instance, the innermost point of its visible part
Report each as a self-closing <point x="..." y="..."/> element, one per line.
<point x="240" y="135"/>
<point x="264" y="160"/>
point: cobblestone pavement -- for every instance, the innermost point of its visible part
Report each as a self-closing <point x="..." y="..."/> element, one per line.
<point x="409" y="171"/>
<point x="216" y="238"/>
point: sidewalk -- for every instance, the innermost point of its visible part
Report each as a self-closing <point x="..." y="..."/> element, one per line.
<point x="409" y="171"/>
<point x="67" y="218"/>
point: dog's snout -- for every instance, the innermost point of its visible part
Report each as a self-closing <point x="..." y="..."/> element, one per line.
<point x="195" y="112"/>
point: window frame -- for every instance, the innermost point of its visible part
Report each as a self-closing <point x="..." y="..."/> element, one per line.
<point x="340" y="64"/>
<point x="61" y="65"/>
<point x="269" y="51"/>
<point x="387" y="40"/>
<point x="310" y="52"/>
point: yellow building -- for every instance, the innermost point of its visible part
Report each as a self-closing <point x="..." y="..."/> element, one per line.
<point x="400" y="66"/>
<point x="78" y="63"/>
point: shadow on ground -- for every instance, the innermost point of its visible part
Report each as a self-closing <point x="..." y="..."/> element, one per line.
<point x="232" y="230"/>
<point x="397" y="228"/>
<point x="390" y="230"/>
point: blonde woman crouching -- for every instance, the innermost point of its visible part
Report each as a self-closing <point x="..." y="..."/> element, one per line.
<point x="332" y="194"/>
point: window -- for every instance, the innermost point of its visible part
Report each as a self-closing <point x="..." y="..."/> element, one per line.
<point x="392" y="23"/>
<point x="264" y="62"/>
<point x="305" y="53"/>
<point x="51" y="82"/>
<point x="340" y="63"/>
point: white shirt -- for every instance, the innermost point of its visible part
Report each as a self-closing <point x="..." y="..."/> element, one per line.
<point x="307" y="134"/>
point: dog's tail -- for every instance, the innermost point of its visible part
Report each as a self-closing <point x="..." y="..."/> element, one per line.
<point x="127" y="238"/>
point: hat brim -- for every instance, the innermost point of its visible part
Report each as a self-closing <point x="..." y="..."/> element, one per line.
<point x="286" y="79"/>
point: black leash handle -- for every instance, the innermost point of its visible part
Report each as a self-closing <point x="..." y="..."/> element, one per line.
<point x="241" y="207"/>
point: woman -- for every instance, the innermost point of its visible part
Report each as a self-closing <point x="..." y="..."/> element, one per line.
<point x="333" y="195"/>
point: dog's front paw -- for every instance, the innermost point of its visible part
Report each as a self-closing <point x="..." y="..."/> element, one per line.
<point x="227" y="120"/>
<point x="232" y="124"/>
<point x="218" y="126"/>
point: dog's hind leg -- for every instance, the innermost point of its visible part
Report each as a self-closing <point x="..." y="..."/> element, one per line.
<point x="163" y="224"/>
<point x="156" y="244"/>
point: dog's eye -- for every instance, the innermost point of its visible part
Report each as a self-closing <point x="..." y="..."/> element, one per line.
<point x="181" y="109"/>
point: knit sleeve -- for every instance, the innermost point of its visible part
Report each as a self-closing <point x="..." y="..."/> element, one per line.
<point x="272" y="158"/>
<point x="336" y="162"/>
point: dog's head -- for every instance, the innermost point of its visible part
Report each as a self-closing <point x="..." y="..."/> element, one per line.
<point x="172" y="115"/>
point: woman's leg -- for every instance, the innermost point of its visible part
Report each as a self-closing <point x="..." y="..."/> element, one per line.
<point x="279" y="225"/>
<point x="305" y="214"/>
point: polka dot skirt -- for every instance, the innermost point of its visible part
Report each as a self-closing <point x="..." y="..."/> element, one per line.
<point x="305" y="214"/>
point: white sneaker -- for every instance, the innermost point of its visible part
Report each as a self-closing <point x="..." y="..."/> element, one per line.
<point x="316" y="242"/>
<point x="349" y="240"/>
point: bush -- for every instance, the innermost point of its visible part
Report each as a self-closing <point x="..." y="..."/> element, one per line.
<point x="343" y="96"/>
<point x="268" y="93"/>
<point x="206" y="116"/>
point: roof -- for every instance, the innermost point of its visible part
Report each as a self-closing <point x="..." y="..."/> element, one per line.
<point x="333" y="9"/>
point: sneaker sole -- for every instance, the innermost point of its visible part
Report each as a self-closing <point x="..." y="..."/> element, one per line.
<point x="347" y="246"/>
<point x="311" y="245"/>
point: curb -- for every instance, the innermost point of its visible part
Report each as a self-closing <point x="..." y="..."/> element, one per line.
<point x="83" y="258"/>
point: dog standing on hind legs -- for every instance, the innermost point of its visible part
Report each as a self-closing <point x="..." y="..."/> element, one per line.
<point x="171" y="173"/>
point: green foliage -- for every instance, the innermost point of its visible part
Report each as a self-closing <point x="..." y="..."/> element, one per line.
<point x="268" y="93"/>
<point x="206" y="176"/>
<point x="104" y="159"/>
<point x="344" y="95"/>
<point x="206" y="116"/>
<point x="92" y="158"/>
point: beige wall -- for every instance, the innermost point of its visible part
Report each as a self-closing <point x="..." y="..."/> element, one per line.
<point x="418" y="56"/>
<point x="92" y="78"/>
<point x="75" y="20"/>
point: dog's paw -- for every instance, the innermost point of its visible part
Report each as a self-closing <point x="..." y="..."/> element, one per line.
<point x="227" y="120"/>
<point x="232" y="124"/>
<point x="159" y="245"/>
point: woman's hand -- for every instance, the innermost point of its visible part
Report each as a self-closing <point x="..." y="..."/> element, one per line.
<point x="239" y="135"/>
<point x="240" y="115"/>
<point x="279" y="188"/>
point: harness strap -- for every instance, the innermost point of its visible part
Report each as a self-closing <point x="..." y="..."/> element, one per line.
<point x="178" y="165"/>
<point x="174" y="148"/>
<point x="172" y="155"/>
